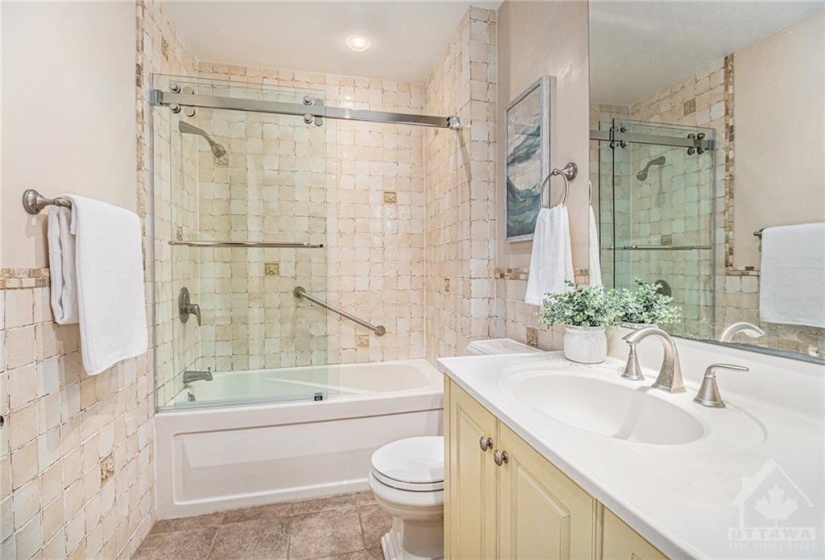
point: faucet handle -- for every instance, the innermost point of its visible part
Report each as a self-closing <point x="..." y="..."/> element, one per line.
<point x="196" y="310"/>
<point x="708" y="394"/>
<point x="632" y="369"/>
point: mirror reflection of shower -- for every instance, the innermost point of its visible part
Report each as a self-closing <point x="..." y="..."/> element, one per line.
<point x="217" y="149"/>
<point x="659" y="161"/>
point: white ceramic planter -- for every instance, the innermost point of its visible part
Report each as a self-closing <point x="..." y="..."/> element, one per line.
<point x="585" y="345"/>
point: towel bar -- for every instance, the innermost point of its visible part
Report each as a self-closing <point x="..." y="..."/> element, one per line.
<point x="34" y="202"/>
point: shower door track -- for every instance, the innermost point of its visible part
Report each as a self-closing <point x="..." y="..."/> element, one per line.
<point x="656" y="139"/>
<point x="312" y="111"/>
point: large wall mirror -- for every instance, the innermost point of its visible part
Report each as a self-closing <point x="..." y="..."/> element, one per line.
<point x="707" y="139"/>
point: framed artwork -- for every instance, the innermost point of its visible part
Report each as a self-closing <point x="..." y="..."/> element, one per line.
<point x="527" y="157"/>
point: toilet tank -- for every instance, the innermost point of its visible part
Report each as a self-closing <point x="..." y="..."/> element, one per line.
<point x="498" y="346"/>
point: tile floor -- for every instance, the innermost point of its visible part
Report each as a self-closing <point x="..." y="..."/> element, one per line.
<point x="346" y="527"/>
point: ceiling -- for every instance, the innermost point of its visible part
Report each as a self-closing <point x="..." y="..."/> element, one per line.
<point x="407" y="37"/>
<point x="638" y="48"/>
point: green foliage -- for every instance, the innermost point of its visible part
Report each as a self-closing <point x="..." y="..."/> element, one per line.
<point x="647" y="306"/>
<point x="589" y="306"/>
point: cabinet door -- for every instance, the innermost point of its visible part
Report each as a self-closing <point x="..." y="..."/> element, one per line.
<point x="542" y="513"/>
<point x="470" y="480"/>
<point x="620" y="542"/>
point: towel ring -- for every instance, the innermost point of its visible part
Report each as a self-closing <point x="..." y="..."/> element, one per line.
<point x="568" y="173"/>
<point x="590" y="192"/>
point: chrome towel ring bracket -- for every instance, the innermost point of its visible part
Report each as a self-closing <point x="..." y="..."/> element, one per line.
<point x="568" y="173"/>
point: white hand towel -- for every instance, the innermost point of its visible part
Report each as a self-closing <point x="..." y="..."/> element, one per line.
<point x="595" y="261"/>
<point x="62" y="266"/>
<point x="792" y="289"/>
<point x="108" y="266"/>
<point x="551" y="262"/>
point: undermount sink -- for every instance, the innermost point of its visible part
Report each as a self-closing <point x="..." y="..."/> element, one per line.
<point x="602" y="407"/>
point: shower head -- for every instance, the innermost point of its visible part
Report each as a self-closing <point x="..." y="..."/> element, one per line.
<point x="217" y="150"/>
<point x="642" y="175"/>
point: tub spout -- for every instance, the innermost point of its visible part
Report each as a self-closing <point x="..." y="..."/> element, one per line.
<point x="190" y="376"/>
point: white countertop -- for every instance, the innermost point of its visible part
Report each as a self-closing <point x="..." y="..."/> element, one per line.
<point x="679" y="497"/>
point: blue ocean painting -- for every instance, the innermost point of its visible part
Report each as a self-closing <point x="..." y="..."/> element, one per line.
<point x="523" y="175"/>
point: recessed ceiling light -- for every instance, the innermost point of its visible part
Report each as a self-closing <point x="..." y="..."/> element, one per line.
<point x="358" y="43"/>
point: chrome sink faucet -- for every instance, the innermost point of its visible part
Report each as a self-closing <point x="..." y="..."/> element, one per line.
<point x="670" y="374"/>
<point x="748" y="329"/>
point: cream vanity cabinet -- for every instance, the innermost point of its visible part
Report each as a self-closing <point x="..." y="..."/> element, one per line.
<point x="505" y="500"/>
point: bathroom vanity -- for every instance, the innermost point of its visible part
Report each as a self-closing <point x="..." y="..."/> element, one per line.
<point x="549" y="459"/>
<point x="518" y="501"/>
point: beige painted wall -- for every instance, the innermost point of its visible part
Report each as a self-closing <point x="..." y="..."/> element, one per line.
<point x="68" y="122"/>
<point x="537" y="38"/>
<point x="779" y="115"/>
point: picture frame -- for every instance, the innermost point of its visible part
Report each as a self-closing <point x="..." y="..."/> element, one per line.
<point x="526" y="158"/>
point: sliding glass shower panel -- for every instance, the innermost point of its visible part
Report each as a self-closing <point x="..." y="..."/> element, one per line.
<point x="661" y="224"/>
<point x="241" y="181"/>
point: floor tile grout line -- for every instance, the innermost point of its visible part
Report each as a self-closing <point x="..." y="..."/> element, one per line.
<point x="212" y="544"/>
<point x="361" y="526"/>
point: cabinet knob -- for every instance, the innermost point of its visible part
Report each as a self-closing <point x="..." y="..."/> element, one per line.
<point x="500" y="457"/>
<point x="485" y="443"/>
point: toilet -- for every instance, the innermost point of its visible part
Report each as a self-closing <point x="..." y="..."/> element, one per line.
<point x="407" y="479"/>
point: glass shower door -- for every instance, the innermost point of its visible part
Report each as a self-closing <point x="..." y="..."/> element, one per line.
<point x="242" y="183"/>
<point x="660" y="228"/>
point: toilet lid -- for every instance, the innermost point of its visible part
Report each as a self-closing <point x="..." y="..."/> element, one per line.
<point x="415" y="464"/>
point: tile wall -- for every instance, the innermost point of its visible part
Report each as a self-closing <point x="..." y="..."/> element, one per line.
<point x="76" y="455"/>
<point x="391" y="243"/>
<point x="355" y="187"/>
<point x="459" y="173"/>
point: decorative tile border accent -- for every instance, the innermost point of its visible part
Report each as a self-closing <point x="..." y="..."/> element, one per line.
<point x="511" y="273"/>
<point x="21" y="278"/>
<point x="533" y="337"/>
<point x="580" y="275"/>
<point x="727" y="219"/>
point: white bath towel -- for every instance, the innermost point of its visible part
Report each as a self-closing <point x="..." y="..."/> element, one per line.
<point x="792" y="289"/>
<point x="595" y="261"/>
<point x="62" y="266"/>
<point x="108" y="274"/>
<point x="551" y="262"/>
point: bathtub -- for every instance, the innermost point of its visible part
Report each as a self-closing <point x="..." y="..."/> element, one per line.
<point x="212" y="455"/>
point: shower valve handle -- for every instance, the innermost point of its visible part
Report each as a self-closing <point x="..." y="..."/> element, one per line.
<point x="187" y="308"/>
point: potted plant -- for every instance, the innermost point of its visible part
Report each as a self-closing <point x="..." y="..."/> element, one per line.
<point x="647" y="306"/>
<point x="584" y="312"/>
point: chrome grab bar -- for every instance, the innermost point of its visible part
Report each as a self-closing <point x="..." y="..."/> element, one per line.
<point x="299" y="292"/>
<point x="662" y="247"/>
<point x="248" y="244"/>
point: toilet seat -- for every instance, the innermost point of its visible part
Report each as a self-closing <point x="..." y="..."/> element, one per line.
<point x="412" y="464"/>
